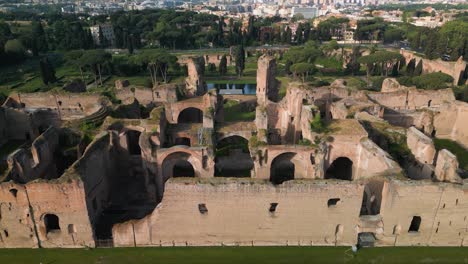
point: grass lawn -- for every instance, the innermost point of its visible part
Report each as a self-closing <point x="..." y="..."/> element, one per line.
<point x="236" y="255"/>
<point x="235" y="111"/>
<point x="455" y="148"/>
<point x="225" y="80"/>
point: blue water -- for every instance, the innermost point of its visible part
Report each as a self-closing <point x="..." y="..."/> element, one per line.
<point x="249" y="88"/>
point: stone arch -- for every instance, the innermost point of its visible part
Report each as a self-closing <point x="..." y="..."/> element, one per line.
<point x="233" y="157"/>
<point x="282" y="168"/>
<point x="190" y="115"/>
<point x="180" y="164"/>
<point x="341" y="168"/>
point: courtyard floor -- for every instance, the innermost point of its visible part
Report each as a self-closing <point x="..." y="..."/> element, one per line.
<point x="237" y="255"/>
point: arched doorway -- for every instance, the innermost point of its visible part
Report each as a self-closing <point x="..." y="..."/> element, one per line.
<point x="282" y="168"/>
<point x="341" y="169"/>
<point x="233" y="157"/>
<point x="178" y="164"/>
<point x="51" y="223"/>
<point x="190" y="115"/>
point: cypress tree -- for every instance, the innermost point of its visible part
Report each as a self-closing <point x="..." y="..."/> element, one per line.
<point x="223" y="65"/>
<point x="418" y="69"/>
<point x="240" y="60"/>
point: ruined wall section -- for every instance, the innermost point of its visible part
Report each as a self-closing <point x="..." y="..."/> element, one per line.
<point x="16" y="223"/>
<point x="454" y="69"/>
<point x="239" y="214"/>
<point x="37" y="162"/>
<point x="163" y="93"/>
<point x="412" y="98"/>
<point x="18" y="124"/>
<point x="442" y="209"/>
<point x="69" y="106"/>
<point x="451" y="122"/>
<point x="67" y="201"/>
<point x="95" y="168"/>
<point x="267" y="85"/>
<point x="195" y="84"/>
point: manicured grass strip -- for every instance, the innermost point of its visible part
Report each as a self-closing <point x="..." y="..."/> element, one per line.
<point x="234" y="111"/>
<point x="236" y="255"/>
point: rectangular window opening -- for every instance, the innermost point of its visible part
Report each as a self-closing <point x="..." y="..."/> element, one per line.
<point x="333" y="202"/>
<point x="415" y="223"/>
<point x="202" y="208"/>
<point x="273" y="207"/>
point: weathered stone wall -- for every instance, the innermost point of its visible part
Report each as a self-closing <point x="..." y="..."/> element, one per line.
<point x="67" y="201"/>
<point x="16" y="222"/>
<point x="420" y="145"/>
<point x="37" y="162"/>
<point x="69" y="106"/>
<point x="165" y="93"/>
<point x="442" y="208"/>
<point x="195" y="84"/>
<point x="238" y="214"/>
<point x="446" y="167"/>
<point x="451" y="122"/>
<point x="214" y="58"/>
<point x="454" y="69"/>
<point x="16" y="125"/>
<point x="267" y="86"/>
<point x="412" y="98"/>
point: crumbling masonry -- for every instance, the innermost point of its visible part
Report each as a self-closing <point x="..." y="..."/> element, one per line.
<point x="181" y="176"/>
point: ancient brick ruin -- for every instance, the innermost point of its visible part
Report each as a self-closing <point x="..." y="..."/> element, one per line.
<point x="177" y="177"/>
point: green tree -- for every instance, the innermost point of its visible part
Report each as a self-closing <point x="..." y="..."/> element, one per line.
<point x="157" y="62"/>
<point x="39" y="40"/>
<point x="240" y="60"/>
<point x="302" y="69"/>
<point x="95" y="60"/>
<point x="15" y="48"/>
<point x="383" y="59"/>
<point x="223" y="65"/>
<point x="353" y="66"/>
<point x="47" y="71"/>
<point x="418" y="69"/>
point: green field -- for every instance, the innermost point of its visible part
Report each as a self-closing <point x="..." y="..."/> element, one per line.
<point x="236" y="255"/>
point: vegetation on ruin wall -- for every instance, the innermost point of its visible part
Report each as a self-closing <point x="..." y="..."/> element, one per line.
<point x="456" y="149"/>
<point x="236" y="255"/>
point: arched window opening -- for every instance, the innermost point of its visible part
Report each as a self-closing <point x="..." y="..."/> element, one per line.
<point x="190" y="115"/>
<point x="51" y="222"/>
<point x="341" y="169"/>
<point x="282" y="168"/>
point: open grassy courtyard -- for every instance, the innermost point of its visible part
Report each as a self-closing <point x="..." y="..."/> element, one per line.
<point x="236" y="255"/>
